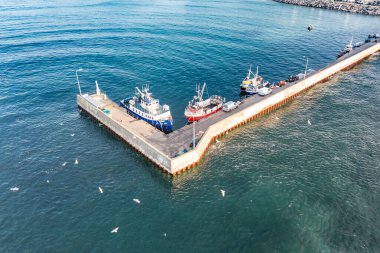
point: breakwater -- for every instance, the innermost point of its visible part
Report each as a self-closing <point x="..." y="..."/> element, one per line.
<point x="336" y="5"/>
<point x="165" y="150"/>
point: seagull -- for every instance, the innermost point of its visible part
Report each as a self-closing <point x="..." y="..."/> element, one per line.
<point x="309" y="122"/>
<point x="100" y="189"/>
<point x="14" y="189"/>
<point x="223" y="192"/>
<point x="64" y="164"/>
<point x="76" y="161"/>
<point x="72" y="135"/>
<point x="165" y="234"/>
<point x="217" y="141"/>
<point x="100" y="124"/>
<point x="277" y="117"/>
<point x="61" y="124"/>
<point x="137" y="201"/>
<point x="47" y="181"/>
<point x="115" y="230"/>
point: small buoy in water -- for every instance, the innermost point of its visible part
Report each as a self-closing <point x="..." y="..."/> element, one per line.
<point x="14" y="189"/>
<point x="308" y="122"/>
<point x="100" y="189"/>
<point x="47" y="181"/>
<point x="115" y="230"/>
<point x="64" y="164"/>
<point x="165" y="234"/>
<point x="309" y="28"/>
<point x="223" y="192"/>
<point x="137" y="201"/>
<point x="76" y="161"/>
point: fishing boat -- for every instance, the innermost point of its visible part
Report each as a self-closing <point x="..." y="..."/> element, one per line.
<point x="251" y="79"/>
<point x="251" y="89"/>
<point x="145" y="107"/>
<point x="255" y="83"/>
<point x="200" y="108"/>
<point x="346" y="50"/>
<point x="349" y="47"/>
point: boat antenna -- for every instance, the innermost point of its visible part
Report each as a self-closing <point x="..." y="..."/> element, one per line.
<point x="249" y="71"/>
<point x="208" y="95"/>
<point x="203" y="89"/>
<point x="76" y="73"/>
<point x="139" y="91"/>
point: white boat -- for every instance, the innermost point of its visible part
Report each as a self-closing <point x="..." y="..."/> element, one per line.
<point x="250" y="80"/>
<point x="349" y="47"/>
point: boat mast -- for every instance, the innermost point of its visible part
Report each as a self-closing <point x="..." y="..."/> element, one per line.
<point x="249" y="72"/>
<point x="140" y="92"/>
<point x="203" y="89"/>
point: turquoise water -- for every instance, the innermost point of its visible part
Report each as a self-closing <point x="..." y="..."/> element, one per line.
<point x="290" y="186"/>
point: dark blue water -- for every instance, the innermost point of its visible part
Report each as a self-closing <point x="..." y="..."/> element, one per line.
<point x="290" y="186"/>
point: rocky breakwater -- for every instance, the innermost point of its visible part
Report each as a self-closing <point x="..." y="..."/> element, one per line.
<point x="360" y="8"/>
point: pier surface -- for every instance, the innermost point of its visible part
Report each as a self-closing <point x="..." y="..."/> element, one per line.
<point x="172" y="152"/>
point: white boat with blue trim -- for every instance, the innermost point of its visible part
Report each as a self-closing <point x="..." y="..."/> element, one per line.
<point x="146" y="107"/>
<point x="251" y="80"/>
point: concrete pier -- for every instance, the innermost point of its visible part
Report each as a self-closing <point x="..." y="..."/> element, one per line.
<point x="166" y="150"/>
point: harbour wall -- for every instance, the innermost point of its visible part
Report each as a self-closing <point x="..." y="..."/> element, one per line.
<point x="192" y="158"/>
<point x="177" y="165"/>
<point x="336" y="5"/>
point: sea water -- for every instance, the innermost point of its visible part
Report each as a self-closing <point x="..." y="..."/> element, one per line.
<point x="289" y="186"/>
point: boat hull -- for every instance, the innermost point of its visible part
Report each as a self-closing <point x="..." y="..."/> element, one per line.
<point x="249" y="92"/>
<point x="195" y="117"/>
<point x="243" y="87"/>
<point x="165" y="126"/>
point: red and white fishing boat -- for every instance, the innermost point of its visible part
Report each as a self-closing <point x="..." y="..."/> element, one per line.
<point x="199" y="108"/>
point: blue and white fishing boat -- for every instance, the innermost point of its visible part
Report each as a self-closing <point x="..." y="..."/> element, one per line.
<point x="145" y="107"/>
